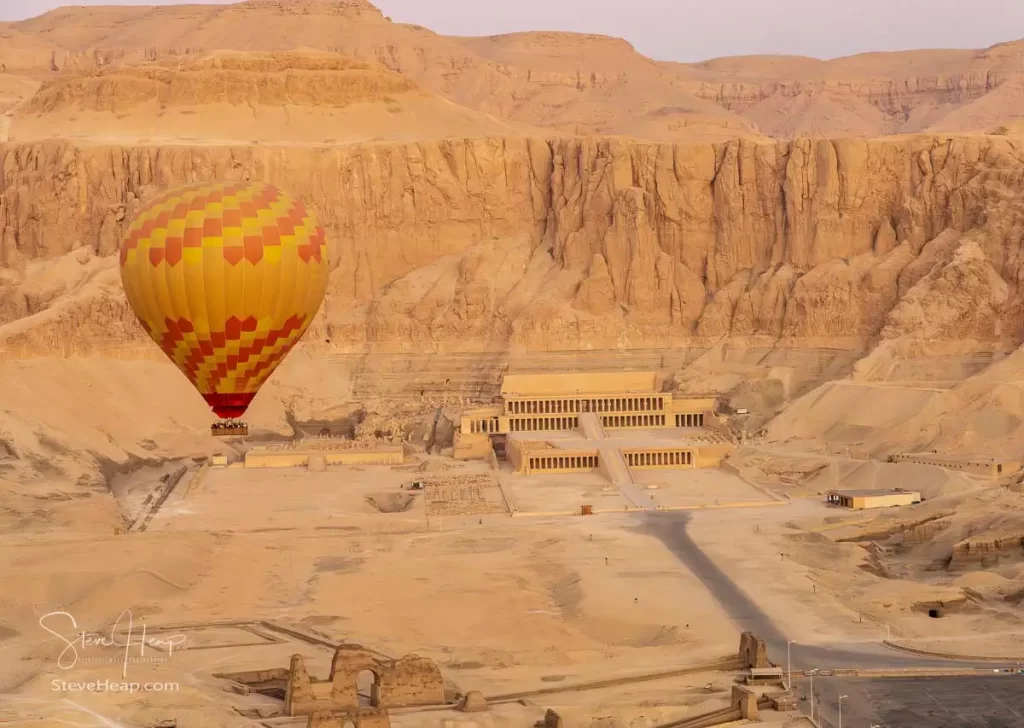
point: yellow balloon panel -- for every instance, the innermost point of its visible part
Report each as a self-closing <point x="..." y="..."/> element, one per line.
<point x="226" y="278"/>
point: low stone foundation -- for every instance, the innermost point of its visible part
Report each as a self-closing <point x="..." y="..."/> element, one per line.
<point x="361" y="719"/>
<point x="318" y="459"/>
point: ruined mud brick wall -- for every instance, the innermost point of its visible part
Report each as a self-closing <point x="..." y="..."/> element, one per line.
<point x="405" y="682"/>
<point x="925" y="531"/>
<point x="744" y="700"/>
<point x="753" y="651"/>
<point x="301" y="696"/>
<point x="552" y="719"/>
<point x="986" y="552"/>
<point x="412" y="680"/>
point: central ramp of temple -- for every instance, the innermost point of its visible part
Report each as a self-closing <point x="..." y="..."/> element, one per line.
<point x="615" y="465"/>
<point x="591" y="426"/>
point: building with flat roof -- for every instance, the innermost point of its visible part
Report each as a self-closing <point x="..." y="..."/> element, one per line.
<point x="554" y="402"/>
<point x="878" y="498"/>
<point x="763" y="675"/>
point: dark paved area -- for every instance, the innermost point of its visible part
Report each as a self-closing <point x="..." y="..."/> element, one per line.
<point x="746" y="614"/>
<point x="995" y="701"/>
<point x="983" y="701"/>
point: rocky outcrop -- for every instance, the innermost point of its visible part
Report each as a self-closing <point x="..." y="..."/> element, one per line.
<point x="491" y="243"/>
<point x="947" y="87"/>
<point x="241" y="80"/>
<point x="887" y="93"/>
<point x="560" y="81"/>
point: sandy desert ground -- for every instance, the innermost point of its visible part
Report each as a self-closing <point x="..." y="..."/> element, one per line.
<point x="834" y="247"/>
<point x="504" y="605"/>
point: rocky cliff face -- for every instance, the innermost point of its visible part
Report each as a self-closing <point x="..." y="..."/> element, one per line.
<point x="271" y="79"/>
<point x="897" y="98"/>
<point x="568" y="83"/>
<point x="952" y="88"/>
<point x="567" y="243"/>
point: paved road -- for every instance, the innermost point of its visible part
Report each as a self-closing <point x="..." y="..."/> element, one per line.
<point x="991" y="701"/>
<point x="671" y="529"/>
<point x="986" y="701"/>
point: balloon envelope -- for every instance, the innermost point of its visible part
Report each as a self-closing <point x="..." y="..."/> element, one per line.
<point x="226" y="278"/>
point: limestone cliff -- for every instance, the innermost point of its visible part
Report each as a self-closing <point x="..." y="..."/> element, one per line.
<point x="271" y="79"/>
<point x="566" y="82"/>
<point x="870" y="106"/>
<point x="567" y="243"/>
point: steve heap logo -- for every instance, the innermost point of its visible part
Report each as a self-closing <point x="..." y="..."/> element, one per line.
<point x="128" y="638"/>
<point x="112" y="686"/>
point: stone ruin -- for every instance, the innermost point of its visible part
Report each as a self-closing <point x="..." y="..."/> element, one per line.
<point x="551" y="720"/>
<point x="753" y="652"/>
<point x="415" y="681"/>
<point x="463" y="495"/>
<point x="378" y="429"/>
<point x="329" y="443"/>
<point x="362" y="719"/>
<point x="334" y="702"/>
<point x="473" y="702"/>
<point x="745" y="701"/>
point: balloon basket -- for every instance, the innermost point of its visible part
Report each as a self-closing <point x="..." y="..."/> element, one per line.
<point x="229" y="429"/>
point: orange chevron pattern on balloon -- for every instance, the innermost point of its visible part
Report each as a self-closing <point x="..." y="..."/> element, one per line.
<point x="225" y="278"/>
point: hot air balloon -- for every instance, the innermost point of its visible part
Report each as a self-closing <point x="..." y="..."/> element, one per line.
<point x="225" y="278"/>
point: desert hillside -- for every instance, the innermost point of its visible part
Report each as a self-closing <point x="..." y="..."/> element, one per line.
<point x="465" y="212"/>
<point x="570" y="83"/>
<point x="231" y="98"/>
<point x="531" y="191"/>
<point x="540" y="192"/>
<point x="830" y="251"/>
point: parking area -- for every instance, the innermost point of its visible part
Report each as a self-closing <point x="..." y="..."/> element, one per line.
<point x="987" y="701"/>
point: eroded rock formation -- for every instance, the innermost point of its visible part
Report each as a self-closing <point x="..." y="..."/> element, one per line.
<point x="567" y="243"/>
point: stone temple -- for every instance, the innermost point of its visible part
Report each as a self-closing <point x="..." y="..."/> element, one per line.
<point x="605" y="422"/>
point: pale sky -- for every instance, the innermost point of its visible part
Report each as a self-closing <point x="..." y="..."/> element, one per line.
<point x="691" y="30"/>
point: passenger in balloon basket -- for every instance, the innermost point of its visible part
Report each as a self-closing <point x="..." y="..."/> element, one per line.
<point x="228" y="428"/>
